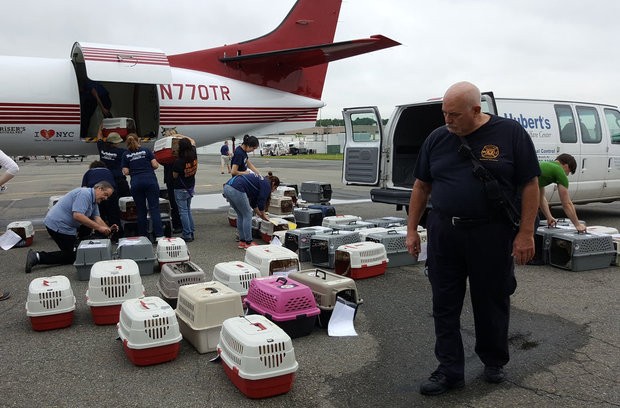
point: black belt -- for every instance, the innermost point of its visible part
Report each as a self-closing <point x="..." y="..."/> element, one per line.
<point x="468" y="221"/>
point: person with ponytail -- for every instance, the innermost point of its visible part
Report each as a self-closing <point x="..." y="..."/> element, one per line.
<point x="240" y="163"/>
<point x="140" y="163"/>
<point x="248" y="193"/>
<point x="184" y="172"/>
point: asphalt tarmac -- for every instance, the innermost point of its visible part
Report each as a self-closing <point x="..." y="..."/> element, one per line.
<point x="564" y="334"/>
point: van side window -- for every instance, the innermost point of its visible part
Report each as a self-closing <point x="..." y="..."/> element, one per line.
<point x="365" y="127"/>
<point x="589" y="124"/>
<point x="564" y="113"/>
<point x="612" y="117"/>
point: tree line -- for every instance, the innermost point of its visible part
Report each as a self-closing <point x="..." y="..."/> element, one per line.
<point x="340" y="122"/>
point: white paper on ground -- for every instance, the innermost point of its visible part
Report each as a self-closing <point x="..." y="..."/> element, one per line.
<point x="9" y="239"/>
<point x="341" y="322"/>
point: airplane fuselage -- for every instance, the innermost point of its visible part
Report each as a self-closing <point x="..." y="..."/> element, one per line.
<point x="40" y="107"/>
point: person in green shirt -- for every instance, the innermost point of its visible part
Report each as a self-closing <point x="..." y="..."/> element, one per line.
<point x="557" y="172"/>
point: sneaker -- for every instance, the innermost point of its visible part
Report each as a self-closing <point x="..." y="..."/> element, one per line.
<point x="3" y="189"/>
<point x="242" y="245"/>
<point x="5" y="295"/>
<point x="188" y="239"/>
<point x="251" y="244"/>
<point x="494" y="374"/>
<point x="32" y="258"/>
<point x="438" y="384"/>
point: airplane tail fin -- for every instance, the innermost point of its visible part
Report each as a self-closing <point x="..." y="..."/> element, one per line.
<point x="292" y="58"/>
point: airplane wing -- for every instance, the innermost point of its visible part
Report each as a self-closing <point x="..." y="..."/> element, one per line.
<point x="304" y="57"/>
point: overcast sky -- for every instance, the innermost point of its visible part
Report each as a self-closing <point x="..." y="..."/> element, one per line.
<point x="555" y="49"/>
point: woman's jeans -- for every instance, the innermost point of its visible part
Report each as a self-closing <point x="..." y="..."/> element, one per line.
<point x="239" y="202"/>
<point x="184" y="201"/>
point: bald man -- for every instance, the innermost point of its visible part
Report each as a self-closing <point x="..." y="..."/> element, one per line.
<point x="470" y="235"/>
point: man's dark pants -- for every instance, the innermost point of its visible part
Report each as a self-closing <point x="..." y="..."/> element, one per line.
<point x="481" y="253"/>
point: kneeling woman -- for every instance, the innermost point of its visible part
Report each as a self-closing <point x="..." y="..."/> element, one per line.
<point x="245" y="193"/>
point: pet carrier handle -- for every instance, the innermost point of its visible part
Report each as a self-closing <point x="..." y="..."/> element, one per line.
<point x="282" y="279"/>
<point x="316" y="273"/>
<point x="392" y="231"/>
<point x="211" y="290"/>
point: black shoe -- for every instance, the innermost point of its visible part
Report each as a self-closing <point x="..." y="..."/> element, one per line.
<point x="494" y="374"/>
<point x="438" y="384"/>
<point x="188" y="239"/>
<point x="177" y="230"/>
<point x="31" y="260"/>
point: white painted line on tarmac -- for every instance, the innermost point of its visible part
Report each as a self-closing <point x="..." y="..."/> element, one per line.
<point x="217" y="201"/>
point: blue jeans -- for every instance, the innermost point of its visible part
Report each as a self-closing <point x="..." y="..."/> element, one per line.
<point x="239" y="202"/>
<point x="146" y="190"/>
<point x="184" y="202"/>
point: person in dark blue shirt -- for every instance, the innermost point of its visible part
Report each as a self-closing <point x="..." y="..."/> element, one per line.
<point x="248" y="193"/>
<point x="93" y="95"/>
<point x="140" y="164"/>
<point x="224" y="157"/>
<point x="183" y="172"/>
<point x="471" y="237"/>
<point x="108" y="209"/>
<point x="240" y="163"/>
<point x="111" y="153"/>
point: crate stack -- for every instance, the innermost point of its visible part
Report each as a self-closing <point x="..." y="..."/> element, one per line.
<point x="361" y="260"/>
<point x="171" y="250"/>
<point x="236" y="275"/>
<point x="257" y="356"/>
<point x="201" y="310"/>
<point x="149" y="330"/>
<point x="316" y="192"/>
<point x="25" y="230"/>
<point x="111" y="283"/>
<point x="396" y="246"/>
<point x="323" y="246"/>
<point x="176" y="274"/>
<point x="327" y="287"/>
<point x="287" y="191"/>
<point x="280" y="205"/>
<point x="90" y="252"/>
<point x="267" y="228"/>
<point x="50" y="303"/>
<point x="232" y="217"/>
<point x="140" y="250"/>
<point x="581" y="252"/>
<point x="122" y="126"/>
<point x="272" y="259"/>
<point x="129" y="216"/>
<point x="284" y="301"/>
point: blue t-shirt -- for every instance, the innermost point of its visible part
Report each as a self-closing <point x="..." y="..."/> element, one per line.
<point x="240" y="158"/>
<point x="224" y="150"/>
<point x="60" y="217"/>
<point x="256" y="187"/>
<point x="112" y="157"/>
<point x="97" y="174"/>
<point x="502" y="146"/>
<point x="139" y="163"/>
<point x="187" y="171"/>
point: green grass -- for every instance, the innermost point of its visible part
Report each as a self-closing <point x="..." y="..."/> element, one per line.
<point x="338" y="156"/>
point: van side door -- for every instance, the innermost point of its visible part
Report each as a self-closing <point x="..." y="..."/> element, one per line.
<point x="612" y="179"/>
<point x="362" y="148"/>
<point x="592" y="166"/>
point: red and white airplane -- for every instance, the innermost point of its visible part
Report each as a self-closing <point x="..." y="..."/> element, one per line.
<point x="269" y="84"/>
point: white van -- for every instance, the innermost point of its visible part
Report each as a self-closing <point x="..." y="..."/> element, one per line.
<point x="386" y="159"/>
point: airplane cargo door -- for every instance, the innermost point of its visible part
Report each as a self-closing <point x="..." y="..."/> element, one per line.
<point x="130" y="75"/>
<point x="362" y="149"/>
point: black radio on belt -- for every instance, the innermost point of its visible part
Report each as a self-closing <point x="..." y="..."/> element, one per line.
<point x="491" y="186"/>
